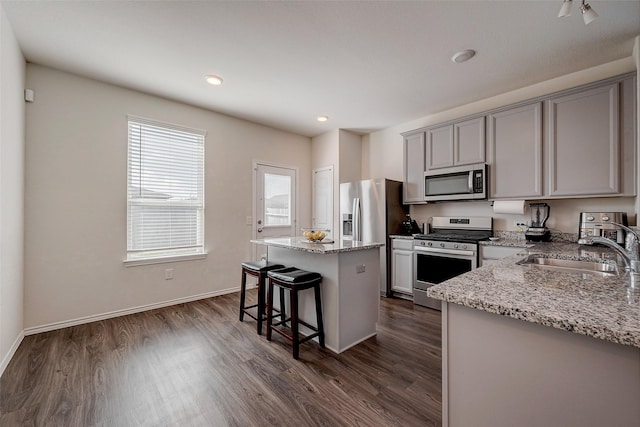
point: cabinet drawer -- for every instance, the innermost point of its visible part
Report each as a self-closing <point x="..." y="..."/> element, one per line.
<point x="406" y="244"/>
<point x="498" y="252"/>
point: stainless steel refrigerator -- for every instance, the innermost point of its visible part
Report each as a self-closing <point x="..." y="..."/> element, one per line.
<point x="370" y="211"/>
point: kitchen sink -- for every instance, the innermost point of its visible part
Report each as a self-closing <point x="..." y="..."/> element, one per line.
<point x="538" y="261"/>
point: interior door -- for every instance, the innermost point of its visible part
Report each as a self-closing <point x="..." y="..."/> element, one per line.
<point x="275" y="204"/>
<point x="323" y="199"/>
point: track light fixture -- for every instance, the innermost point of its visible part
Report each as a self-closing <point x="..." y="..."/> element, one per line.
<point x="588" y="14"/>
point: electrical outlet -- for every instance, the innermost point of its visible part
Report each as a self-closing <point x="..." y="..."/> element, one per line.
<point x="249" y="220"/>
<point x="360" y="268"/>
<point x="168" y="274"/>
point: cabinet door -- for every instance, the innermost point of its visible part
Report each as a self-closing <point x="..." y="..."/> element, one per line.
<point x="439" y="147"/>
<point x="469" y="142"/>
<point x="402" y="271"/>
<point x="515" y="152"/>
<point x="584" y="143"/>
<point x="413" y="188"/>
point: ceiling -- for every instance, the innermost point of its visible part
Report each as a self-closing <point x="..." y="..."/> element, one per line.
<point x="367" y="65"/>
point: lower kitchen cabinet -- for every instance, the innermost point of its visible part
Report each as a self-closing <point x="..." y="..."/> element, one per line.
<point x="489" y="254"/>
<point x="402" y="266"/>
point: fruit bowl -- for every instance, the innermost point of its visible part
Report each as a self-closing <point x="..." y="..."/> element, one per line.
<point x="314" y="234"/>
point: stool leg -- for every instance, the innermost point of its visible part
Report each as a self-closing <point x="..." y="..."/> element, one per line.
<point x="243" y="287"/>
<point x="294" y="323"/>
<point x="269" y="307"/>
<point x="261" y="291"/>
<point x="316" y="290"/>
<point x="282" y="307"/>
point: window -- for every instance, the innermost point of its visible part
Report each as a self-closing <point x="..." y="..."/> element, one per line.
<point x="165" y="196"/>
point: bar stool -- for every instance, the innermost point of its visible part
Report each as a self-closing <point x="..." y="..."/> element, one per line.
<point x="294" y="280"/>
<point x="257" y="269"/>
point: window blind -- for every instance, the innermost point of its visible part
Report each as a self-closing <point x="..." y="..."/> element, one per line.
<point x="165" y="196"/>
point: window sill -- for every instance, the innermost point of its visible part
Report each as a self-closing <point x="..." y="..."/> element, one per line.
<point x="162" y="260"/>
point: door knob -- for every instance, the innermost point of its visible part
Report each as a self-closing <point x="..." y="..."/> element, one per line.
<point x="259" y="230"/>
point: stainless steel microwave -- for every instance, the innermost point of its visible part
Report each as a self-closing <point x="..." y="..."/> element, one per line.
<point x="467" y="182"/>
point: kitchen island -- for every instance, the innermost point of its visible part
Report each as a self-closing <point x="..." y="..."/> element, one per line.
<point x="535" y="347"/>
<point x="350" y="285"/>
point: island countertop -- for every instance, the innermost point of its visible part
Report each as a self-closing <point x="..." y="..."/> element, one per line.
<point x="587" y="304"/>
<point x="301" y="244"/>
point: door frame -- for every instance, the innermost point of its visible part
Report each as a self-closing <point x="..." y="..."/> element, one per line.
<point x="333" y="201"/>
<point x="254" y="206"/>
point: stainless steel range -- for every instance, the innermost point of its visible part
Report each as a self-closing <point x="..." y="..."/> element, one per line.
<point x="450" y="249"/>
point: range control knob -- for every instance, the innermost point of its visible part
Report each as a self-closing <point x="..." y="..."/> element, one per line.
<point x="590" y="218"/>
<point x="455" y="245"/>
<point x="605" y="218"/>
<point x="442" y="245"/>
<point x="429" y="244"/>
<point x="464" y="246"/>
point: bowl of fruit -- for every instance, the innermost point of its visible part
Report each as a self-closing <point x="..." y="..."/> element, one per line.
<point x="314" y="235"/>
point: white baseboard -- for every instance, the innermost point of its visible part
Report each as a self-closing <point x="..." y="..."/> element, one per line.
<point x="7" y="358"/>
<point x="109" y="315"/>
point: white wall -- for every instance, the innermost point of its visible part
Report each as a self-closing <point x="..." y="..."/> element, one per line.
<point x="12" y="119"/>
<point x="636" y="58"/>
<point x="75" y="216"/>
<point x="384" y="151"/>
<point x="350" y="156"/>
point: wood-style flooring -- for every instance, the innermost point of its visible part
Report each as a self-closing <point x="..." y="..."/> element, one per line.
<point x="196" y="364"/>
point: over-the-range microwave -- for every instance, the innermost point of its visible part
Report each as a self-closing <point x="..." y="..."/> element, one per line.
<point x="467" y="182"/>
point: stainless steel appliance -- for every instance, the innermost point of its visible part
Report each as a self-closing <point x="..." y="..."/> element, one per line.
<point x="370" y="211"/>
<point x="601" y="224"/>
<point x="537" y="232"/>
<point x="450" y="249"/>
<point x="467" y="182"/>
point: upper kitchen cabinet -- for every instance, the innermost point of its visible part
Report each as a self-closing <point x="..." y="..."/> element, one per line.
<point x="591" y="134"/>
<point x="413" y="188"/>
<point x="462" y="143"/>
<point x="514" y="145"/>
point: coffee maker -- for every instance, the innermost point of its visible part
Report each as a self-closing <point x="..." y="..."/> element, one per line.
<point x="537" y="232"/>
<point x="601" y="224"/>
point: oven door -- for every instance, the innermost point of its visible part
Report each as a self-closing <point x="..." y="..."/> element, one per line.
<point x="434" y="265"/>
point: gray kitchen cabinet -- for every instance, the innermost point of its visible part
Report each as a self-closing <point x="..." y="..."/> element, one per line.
<point x="584" y="143"/>
<point x="402" y="266"/>
<point x="514" y="148"/>
<point x="413" y="188"/>
<point x="461" y="143"/>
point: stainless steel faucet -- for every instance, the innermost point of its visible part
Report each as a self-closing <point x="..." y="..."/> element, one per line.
<point x="631" y="252"/>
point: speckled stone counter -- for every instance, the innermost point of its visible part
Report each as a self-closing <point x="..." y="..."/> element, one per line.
<point x="590" y="304"/>
<point x="301" y="244"/>
<point x="401" y="236"/>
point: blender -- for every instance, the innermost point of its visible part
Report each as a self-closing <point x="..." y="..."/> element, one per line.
<point x="537" y="232"/>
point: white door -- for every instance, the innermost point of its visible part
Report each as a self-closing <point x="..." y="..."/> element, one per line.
<point x="275" y="204"/>
<point x="323" y="199"/>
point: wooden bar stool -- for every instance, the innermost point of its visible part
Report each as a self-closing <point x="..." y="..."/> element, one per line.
<point x="257" y="269"/>
<point x="294" y="280"/>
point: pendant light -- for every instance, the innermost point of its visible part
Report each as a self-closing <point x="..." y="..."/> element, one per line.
<point x="565" y="10"/>
<point x="588" y="14"/>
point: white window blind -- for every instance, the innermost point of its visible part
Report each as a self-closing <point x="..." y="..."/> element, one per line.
<point x="165" y="196"/>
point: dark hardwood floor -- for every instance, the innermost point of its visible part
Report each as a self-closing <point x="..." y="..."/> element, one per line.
<point x="195" y="364"/>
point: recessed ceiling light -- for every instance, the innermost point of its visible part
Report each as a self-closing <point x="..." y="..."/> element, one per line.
<point x="323" y="118"/>
<point x="463" y="55"/>
<point x="214" y="80"/>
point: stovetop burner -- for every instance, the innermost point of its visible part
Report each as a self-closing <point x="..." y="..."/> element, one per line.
<point x="458" y="229"/>
<point x="455" y="236"/>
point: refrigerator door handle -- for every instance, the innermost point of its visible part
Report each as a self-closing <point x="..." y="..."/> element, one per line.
<point x="355" y="211"/>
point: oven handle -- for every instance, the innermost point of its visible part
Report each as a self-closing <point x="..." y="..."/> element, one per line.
<point x="444" y="251"/>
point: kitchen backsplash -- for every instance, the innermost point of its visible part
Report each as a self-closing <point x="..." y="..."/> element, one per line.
<point x="564" y="214"/>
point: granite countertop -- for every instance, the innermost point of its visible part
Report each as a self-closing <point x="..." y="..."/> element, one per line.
<point x="302" y="244"/>
<point x="590" y="304"/>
